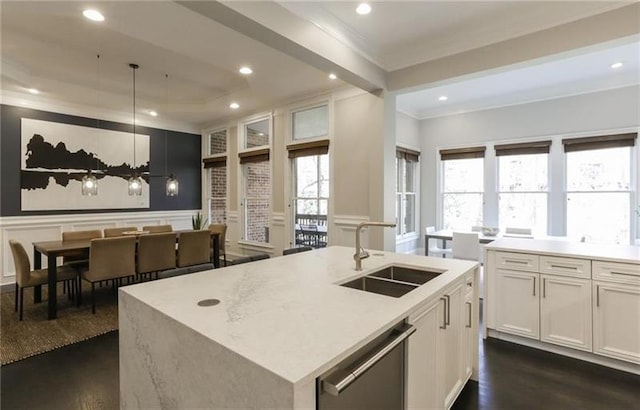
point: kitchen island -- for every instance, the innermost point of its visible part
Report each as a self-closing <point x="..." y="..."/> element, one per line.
<point x="280" y="324"/>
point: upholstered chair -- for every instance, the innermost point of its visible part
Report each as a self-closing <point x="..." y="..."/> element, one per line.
<point x="156" y="252"/>
<point x="158" y="228"/>
<point x="81" y="256"/>
<point x="194" y="248"/>
<point x="222" y="230"/>
<point x="26" y="278"/>
<point x="110" y="258"/>
<point x="113" y="232"/>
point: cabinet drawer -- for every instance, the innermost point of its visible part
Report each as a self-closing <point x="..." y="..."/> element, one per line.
<point x="565" y="266"/>
<point x="517" y="261"/>
<point x="616" y="272"/>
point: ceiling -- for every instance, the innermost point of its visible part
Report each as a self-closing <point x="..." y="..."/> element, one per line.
<point x="48" y="45"/>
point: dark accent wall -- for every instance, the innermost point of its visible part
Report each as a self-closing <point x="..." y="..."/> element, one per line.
<point x="183" y="155"/>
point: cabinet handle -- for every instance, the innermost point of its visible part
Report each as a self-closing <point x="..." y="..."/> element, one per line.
<point x="623" y="274"/>
<point x="516" y="261"/>
<point x="597" y="295"/>
<point x="564" y="267"/>
<point x="544" y="287"/>
<point x="534" y="286"/>
<point x="444" y="314"/>
<point x="469" y="304"/>
<point x="448" y="309"/>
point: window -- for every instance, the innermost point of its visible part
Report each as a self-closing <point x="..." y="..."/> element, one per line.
<point x="462" y="187"/>
<point x="256" y="177"/>
<point x="406" y="192"/>
<point x="310" y="122"/>
<point x="310" y="183"/>
<point x="216" y="167"/>
<point x="599" y="188"/>
<point x="523" y="185"/>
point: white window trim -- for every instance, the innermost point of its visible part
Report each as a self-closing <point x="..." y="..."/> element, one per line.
<point x="404" y="237"/>
<point x="205" y="174"/>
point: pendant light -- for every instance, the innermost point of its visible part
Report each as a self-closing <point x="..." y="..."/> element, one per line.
<point x="89" y="181"/>
<point x="172" y="184"/>
<point x="135" y="182"/>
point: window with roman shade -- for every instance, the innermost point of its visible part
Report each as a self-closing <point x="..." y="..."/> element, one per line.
<point x="462" y="187"/>
<point x="407" y="161"/>
<point x="215" y="165"/>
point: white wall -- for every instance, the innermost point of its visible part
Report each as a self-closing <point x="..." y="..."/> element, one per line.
<point x="587" y="114"/>
<point x="407" y="130"/>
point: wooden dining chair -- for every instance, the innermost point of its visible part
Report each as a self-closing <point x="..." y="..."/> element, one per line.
<point x="113" y="232"/>
<point x="194" y="248"/>
<point x="27" y="278"/>
<point x="221" y="229"/>
<point x="109" y="258"/>
<point x="156" y="253"/>
<point x="158" y="228"/>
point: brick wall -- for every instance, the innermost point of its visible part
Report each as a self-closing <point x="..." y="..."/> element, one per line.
<point x="256" y="139"/>
<point x="218" y="194"/>
<point x="258" y="193"/>
<point x="218" y="142"/>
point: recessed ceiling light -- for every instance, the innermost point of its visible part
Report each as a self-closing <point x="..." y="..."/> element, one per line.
<point x="333" y="76"/>
<point x="616" y="65"/>
<point x="443" y="98"/>
<point x="94" y="15"/>
<point x="153" y="113"/>
<point x="363" y="8"/>
<point x="245" y="70"/>
<point x="234" y="105"/>
<point x="34" y="91"/>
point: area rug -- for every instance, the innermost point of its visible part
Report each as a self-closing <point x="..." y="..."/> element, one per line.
<point x="35" y="334"/>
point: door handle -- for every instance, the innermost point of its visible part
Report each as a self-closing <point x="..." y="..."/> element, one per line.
<point x="597" y="295"/>
<point x="544" y="287"/>
<point x="469" y="304"/>
<point x="335" y="388"/>
<point x="534" y="286"/>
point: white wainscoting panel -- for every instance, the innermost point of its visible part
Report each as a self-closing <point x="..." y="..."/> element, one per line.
<point x="344" y="230"/>
<point x="29" y="229"/>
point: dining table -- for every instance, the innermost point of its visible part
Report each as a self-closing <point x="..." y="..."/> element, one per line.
<point x="55" y="249"/>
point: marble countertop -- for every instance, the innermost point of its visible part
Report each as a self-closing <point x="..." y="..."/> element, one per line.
<point x="611" y="253"/>
<point x="288" y="314"/>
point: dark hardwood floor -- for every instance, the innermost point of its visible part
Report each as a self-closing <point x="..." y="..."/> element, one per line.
<point x="85" y="376"/>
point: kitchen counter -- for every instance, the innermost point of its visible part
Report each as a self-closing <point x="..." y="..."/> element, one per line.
<point x="604" y="252"/>
<point x="280" y="323"/>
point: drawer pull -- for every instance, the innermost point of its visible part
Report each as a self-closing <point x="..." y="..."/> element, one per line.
<point x="448" y="322"/>
<point x="516" y="261"/>
<point x="564" y="267"/>
<point x="624" y="274"/>
<point x="444" y="314"/>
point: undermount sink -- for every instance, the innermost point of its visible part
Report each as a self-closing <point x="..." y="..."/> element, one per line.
<point x="392" y="281"/>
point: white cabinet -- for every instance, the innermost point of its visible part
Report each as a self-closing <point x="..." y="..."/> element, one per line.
<point x="517" y="303"/>
<point x="616" y="320"/>
<point x="565" y="311"/>
<point x="441" y="352"/>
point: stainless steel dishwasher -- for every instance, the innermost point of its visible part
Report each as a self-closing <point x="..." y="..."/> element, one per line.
<point x="372" y="378"/>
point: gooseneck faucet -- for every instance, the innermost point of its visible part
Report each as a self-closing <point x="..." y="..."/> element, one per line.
<point x="360" y="252"/>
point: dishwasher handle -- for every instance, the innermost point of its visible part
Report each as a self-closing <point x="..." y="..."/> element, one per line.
<point x="335" y="388"/>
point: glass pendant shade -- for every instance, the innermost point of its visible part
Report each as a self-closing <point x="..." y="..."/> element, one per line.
<point x="89" y="185"/>
<point x="172" y="186"/>
<point x="135" y="185"/>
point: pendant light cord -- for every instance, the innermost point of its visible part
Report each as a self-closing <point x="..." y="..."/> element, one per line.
<point x="166" y="107"/>
<point x="98" y="101"/>
<point x="134" y="117"/>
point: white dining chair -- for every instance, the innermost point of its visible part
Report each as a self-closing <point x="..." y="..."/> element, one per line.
<point x="432" y="246"/>
<point x="467" y="246"/>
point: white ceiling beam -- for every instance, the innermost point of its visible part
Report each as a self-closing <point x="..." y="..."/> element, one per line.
<point x="614" y="25"/>
<point x="278" y="28"/>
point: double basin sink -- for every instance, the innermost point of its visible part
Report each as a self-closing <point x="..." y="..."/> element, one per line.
<point x="392" y="281"/>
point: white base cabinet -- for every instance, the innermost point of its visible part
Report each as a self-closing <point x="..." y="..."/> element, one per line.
<point x="443" y="350"/>
<point x="616" y="320"/>
<point x="517" y="303"/>
<point x="571" y="301"/>
<point x="565" y="311"/>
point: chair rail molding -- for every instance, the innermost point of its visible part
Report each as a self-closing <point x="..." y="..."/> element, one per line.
<point x="28" y="229"/>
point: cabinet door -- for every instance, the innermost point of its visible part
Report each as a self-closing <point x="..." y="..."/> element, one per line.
<point x="616" y="321"/>
<point x="517" y="303"/>
<point x="453" y="344"/>
<point x="424" y="364"/>
<point x="565" y="311"/>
